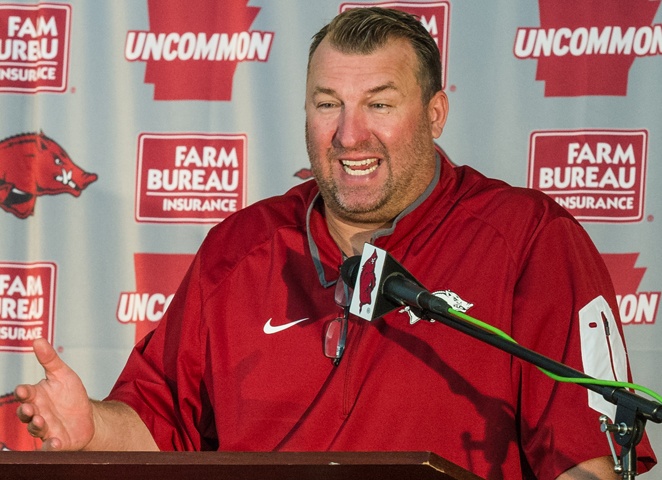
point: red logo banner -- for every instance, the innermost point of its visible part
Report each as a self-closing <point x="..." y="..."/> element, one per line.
<point x="157" y="278"/>
<point x="193" y="48"/>
<point x="34" y="47"/>
<point x="597" y="175"/>
<point x="27" y="304"/>
<point x="190" y="178"/>
<point x="435" y="17"/>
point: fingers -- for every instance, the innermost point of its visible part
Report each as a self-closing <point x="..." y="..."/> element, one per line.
<point x="35" y="423"/>
<point x="22" y="393"/>
<point x="48" y="359"/>
<point x="28" y="395"/>
<point x="40" y="401"/>
<point x="46" y="355"/>
<point x="25" y="412"/>
<point x="37" y="427"/>
<point x="52" y="444"/>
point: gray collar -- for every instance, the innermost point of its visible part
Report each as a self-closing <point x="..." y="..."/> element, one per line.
<point x="314" y="250"/>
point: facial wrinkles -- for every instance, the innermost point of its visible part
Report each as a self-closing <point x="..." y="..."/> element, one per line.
<point x="367" y="151"/>
<point x="343" y="194"/>
<point x="403" y="147"/>
<point x="408" y="174"/>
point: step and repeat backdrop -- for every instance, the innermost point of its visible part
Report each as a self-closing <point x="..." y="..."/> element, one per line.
<point x="128" y="128"/>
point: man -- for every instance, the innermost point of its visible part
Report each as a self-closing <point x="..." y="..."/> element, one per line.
<point x="237" y="362"/>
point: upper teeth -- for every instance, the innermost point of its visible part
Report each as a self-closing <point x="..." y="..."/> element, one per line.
<point x="349" y="165"/>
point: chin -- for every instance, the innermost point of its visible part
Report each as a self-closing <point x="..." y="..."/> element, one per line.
<point x="363" y="215"/>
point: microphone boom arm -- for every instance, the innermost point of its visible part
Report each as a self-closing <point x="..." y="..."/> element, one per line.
<point x="632" y="410"/>
<point x="376" y="270"/>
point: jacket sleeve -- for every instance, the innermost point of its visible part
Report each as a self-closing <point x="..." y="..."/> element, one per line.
<point x="566" y="310"/>
<point x="163" y="378"/>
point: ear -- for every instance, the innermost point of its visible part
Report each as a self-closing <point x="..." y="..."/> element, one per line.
<point x="437" y="113"/>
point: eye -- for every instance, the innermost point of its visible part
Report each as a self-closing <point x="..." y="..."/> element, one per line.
<point x="58" y="161"/>
<point x="379" y="106"/>
<point x="325" y="105"/>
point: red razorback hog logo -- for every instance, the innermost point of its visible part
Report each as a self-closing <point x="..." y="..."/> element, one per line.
<point x="587" y="47"/>
<point x="31" y="165"/>
<point x="367" y="281"/>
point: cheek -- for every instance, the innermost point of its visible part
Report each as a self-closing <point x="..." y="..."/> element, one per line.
<point x="312" y="132"/>
<point x="322" y="126"/>
<point x="395" y="131"/>
<point x="316" y="145"/>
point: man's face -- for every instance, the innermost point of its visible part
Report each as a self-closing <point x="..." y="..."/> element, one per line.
<point x="368" y="133"/>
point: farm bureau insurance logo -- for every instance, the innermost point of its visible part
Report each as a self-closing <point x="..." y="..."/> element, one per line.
<point x="34" y="47"/>
<point x="434" y="16"/>
<point x="635" y="307"/>
<point x="192" y="48"/>
<point x="157" y="278"/>
<point x="597" y="175"/>
<point x="587" y="47"/>
<point x="27" y="304"/>
<point x="190" y="178"/>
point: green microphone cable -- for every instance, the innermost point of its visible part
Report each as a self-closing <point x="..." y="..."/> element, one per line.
<point x="558" y="378"/>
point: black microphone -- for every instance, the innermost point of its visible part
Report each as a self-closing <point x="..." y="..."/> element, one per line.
<point x="381" y="284"/>
<point x="349" y="270"/>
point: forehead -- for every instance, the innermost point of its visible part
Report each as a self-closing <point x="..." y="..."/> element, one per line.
<point x="393" y="63"/>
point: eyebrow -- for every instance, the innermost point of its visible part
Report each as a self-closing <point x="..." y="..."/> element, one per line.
<point x="381" y="88"/>
<point x="372" y="91"/>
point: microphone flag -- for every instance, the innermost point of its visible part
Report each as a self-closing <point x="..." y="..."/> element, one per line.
<point x="376" y="265"/>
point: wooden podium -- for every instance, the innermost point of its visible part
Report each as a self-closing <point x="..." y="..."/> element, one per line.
<point x="229" y="465"/>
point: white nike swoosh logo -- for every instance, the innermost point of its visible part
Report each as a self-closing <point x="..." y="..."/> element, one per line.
<point x="269" y="328"/>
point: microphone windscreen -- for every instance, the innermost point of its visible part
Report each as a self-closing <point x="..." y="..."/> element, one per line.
<point x="349" y="270"/>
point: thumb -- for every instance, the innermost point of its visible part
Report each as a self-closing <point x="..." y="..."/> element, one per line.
<point x="47" y="356"/>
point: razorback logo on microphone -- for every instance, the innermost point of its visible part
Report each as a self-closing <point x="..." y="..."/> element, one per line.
<point x="157" y="278"/>
<point x="34" y="47"/>
<point x="453" y="300"/>
<point x="635" y="307"/>
<point x="192" y="48"/>
<point x="435" y="17"/>
<point x="190" y="177"/>
<point x="587" y="47"/>
<point x="597" y="175"/>
<point x="366" y="299"/>
<point x="368" y="282"/>
<point x="27" y="304"/>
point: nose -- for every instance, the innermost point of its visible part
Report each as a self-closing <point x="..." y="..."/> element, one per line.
<point x="352" y="129"/>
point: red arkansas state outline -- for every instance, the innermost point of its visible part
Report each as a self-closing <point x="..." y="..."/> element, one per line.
<point x="157" y="273"/>
<point x="199" y="79"/>
<point x="603" y="74"/>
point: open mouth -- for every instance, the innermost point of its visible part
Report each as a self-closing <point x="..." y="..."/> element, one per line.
<point x="360" y="167"/>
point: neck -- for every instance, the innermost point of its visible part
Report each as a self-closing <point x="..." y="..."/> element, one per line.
<point x="350" y="236"/>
